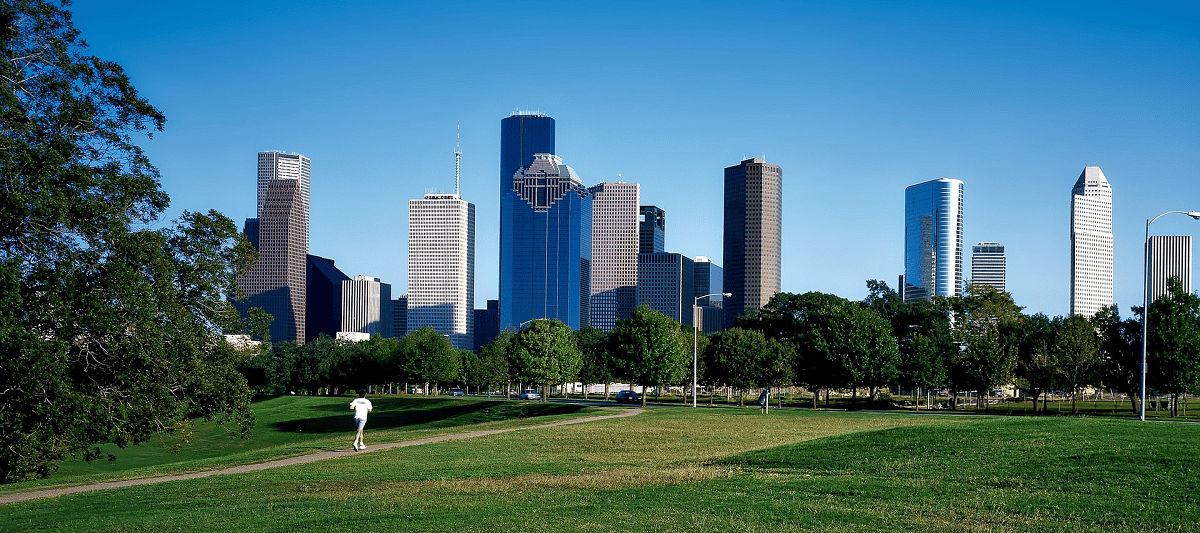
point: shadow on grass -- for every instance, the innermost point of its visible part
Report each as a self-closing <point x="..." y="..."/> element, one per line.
<point x="397" y="413"/>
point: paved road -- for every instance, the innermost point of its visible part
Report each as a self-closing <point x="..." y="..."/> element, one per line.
<point x="319" y="456"/>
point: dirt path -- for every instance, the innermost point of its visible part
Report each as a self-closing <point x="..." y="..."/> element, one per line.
<point x="319" y="456"/>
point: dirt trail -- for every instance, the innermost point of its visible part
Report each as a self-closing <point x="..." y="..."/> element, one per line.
<point x="319" y="456"/>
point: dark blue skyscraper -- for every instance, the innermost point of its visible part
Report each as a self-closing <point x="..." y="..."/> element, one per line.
<point x="545" y="245"/>
<point x="521" y="136"/>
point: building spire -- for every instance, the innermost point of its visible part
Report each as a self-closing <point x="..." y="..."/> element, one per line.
<point x="457" y="154"/>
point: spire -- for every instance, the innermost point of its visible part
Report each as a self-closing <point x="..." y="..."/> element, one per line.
<point x="457" y="154"/>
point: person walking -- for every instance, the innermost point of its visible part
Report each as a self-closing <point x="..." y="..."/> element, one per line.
<point x="361" y="406"/>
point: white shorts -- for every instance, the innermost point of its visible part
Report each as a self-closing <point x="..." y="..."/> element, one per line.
<point x="362" y="422"/>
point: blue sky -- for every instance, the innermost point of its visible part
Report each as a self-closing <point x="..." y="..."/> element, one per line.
<point x="854" y="103"/>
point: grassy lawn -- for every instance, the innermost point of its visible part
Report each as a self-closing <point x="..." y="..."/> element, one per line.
<point x="675" y="469"/>
<point x="295" y="425"/>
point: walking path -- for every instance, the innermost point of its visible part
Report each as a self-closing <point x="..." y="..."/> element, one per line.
<point x="320" y="456"/>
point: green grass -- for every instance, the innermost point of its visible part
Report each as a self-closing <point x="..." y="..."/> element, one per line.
<point x="295" y="425"/>
<point x="674" y="469"/>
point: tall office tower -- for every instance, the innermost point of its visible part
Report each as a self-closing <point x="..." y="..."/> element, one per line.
<point x="522" y="135"/>
<point x="323" y="298"/>
<point x="441" y="267"/>
<point x="708" y="280"/>
<point x="400" y="316"/>
<point x="545" y="246"/>
<point x="933" y="239"/>
<point x="487" y="324"/>
<point x="1091" y="243"/>
<point x="666" y="284"/>
<point x="988" y="265"/>
<point x="753" y="235"/>
<point x="1170" y="256"/>
<point x="614" y="252"/>
<point x="367" y="306"/>
<point x="652" y="230"/>
<point x="276" y="282"/>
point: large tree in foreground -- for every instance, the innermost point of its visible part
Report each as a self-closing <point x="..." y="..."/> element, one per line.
<point x="109" y="332"/>
<point x="650" y="346"/>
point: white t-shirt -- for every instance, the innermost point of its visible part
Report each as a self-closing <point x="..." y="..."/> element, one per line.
<point x="361" y="406"/>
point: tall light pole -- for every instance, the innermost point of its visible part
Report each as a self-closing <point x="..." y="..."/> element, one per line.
<point x="1146" y="298"/>
<point x="696" y="339"/>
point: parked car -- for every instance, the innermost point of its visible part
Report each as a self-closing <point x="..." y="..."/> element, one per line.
<point x="529" y="394"/>
<point x="455" y="391"/>
<point x="628" y="396"/>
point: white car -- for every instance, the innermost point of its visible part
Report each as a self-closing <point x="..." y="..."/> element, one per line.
<point x="529" y="394"/>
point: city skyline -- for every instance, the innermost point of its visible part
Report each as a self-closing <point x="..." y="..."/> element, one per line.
<point x="860" y="103"/>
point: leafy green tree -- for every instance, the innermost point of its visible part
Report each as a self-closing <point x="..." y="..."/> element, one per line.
<point x="1121" y="351"/>
<point x="650" y="346"/>
<point x="494" y="362"/>
<point x="109" y="332"/>
<point x="987" y="359"/>
<point x="598" y="364"/>
<point x="855" y="343"/>
<point x="746" y="359"/>
<point x="1076" y="352"/>
<point x="1173" y="343"/>
<point x="698" y="342"/>
<point x="1035" y="361"/>
<point x="428" y="357"/>
<point x="926" y="343"/>
<point x="545" y="353"/>
<point x="787" y="318"/>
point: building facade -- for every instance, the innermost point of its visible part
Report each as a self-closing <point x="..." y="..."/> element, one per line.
<point x="933" y="239"/>
<point x="615" y="240"/>
<point x="1091" y="243"/>
<point x="709" y="279"/>
<point x="323" y="300"/>
<point x="487" y="324"/>
<point x="545" y="246"/>
<point x="367" y="306"/>
<point x="522" y="135"/>
<point x="441" y="267"/>
<point x="400" y="316"/>
<point x="276" y="282"/>
<point x="1170" y="256"/>
<point x="989" y="265"/>
<point x="753" y="238"/>
<point x="666" y="284"/>
<point x="652" y="229"/>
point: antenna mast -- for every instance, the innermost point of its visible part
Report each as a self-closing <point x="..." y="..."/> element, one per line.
<point x="457" y="154"/>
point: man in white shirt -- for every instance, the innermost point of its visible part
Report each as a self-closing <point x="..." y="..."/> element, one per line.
<point x="361" y="406"/>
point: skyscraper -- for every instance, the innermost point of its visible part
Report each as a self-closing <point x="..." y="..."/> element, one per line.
<point x="1170" y="256"/>
<point x="666" y="284"/>
<point x="441" y="267"/>
<point x="1091" y="243"/>
<point x="652" y="230"/>
<point x="933" y="239"/>
<point x="614" y="252"/>
<point x="276" y="282"/>
<point x="545" y="245"/>
<point x="988" y="266"/>
<point x="522" y="135"/>
<point x="709" y="279"/>
<point x="323" y="298"/>
<point x="367" y="306"/>
<point x="753" y="235"/>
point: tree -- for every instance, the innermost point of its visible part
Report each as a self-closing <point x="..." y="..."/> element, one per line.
<point x="987" y="358"/>
<point x="1121" y="351"/>
<point x="855" y="343"/>
<point x="1075" y="351"/>
<point x="926" y="343"/>
<point x="428" y="357"/>
<point x="1173" y="343"/>
<point x="1035" y="363"/>
<point x="746" y="359"/>
<point x="493" y="362"/>
<point x="598" y="365"/>
<point x="545" y="353"/>
<point x="649" y="345"/>
<point x="787" y="318"/>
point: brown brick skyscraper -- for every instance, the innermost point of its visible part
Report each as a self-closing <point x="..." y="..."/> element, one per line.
<point x="753" y="235"/>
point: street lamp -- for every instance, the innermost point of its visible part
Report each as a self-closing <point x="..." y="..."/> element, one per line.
<point x="522" y="324"/>
<point x="1146" y="297"/>
<point x="696" y="339"/>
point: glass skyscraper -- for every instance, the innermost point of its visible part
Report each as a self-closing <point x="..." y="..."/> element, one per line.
<point x="545" y="245"/>
<point x="521" y="136"/>
<point x="933" y="239"/>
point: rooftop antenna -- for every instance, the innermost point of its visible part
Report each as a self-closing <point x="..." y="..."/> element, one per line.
<point x="457" y="153"/>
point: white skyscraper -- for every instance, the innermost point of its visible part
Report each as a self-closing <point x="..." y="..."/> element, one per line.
<point x="988" y="265"/>
<point x="1091" y="243"/>
<point x="1170" y="256"/>
<point x="367" y="306"/>
<point x="441" y="265"/>
<point x="614" y="252"/>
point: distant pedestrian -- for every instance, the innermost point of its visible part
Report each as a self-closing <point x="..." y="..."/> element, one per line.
<point x="361" y="406"/>
<point x="764" y="400"/>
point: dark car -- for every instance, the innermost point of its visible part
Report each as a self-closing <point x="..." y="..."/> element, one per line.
<point x="628" y="396"/>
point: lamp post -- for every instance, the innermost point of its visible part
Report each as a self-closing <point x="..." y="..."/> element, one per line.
<point x="1146" y="298"/>
<point x="696" y="339"/>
